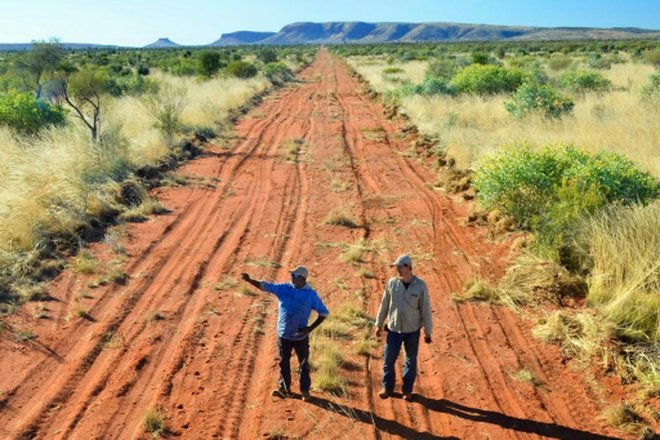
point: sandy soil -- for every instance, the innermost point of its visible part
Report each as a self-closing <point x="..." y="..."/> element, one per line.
<point x="170" y="338"/>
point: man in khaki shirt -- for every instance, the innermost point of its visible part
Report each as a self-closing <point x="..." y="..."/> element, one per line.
<point x="407" y="306"/>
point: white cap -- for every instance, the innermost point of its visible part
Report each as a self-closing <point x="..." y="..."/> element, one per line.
<point x="402" y="260"/>
<point x="300" y="271"/>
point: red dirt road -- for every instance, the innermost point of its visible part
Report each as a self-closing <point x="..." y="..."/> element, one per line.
<point x="205" y="355"/>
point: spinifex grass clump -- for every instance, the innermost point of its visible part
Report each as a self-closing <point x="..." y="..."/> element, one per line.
<point x="621" y="248"/>
<point x="548" y="190"/>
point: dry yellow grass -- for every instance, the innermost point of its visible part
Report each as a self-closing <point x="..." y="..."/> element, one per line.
<point x="474" y="126"/>
<point x="622" y="248"/>
<point x="371" y="68"/>
<point x="79" y="172"/>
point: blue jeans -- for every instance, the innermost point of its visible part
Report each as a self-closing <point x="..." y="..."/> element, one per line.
<point x="410" y="342"/>
<point x="301" y="347"/>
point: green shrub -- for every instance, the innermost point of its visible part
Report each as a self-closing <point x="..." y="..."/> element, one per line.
<point x="135" y="85"/>
<point x="597" y="61"/>
<point x="434" y="86"/>
<point x="182" y="67"/>
<point x="548" y="190"/>
<point x="443" y="68"/>
<point x="651" y="91"/>
<point x="277" y="72"/>
<point x="142" y="70"/>
<point x="479" y="58"/>
<point x="531" y="98"/>
<point x="480" y="79"/>
<point x="559" y="62"/>
<point x="267" y="56"/>
<point x="430" y="87"/>
<point x="653" y="57"/>
<point x="242" y="69"/>
<point x="27" y="115"/>
<point x="583" y="81"/>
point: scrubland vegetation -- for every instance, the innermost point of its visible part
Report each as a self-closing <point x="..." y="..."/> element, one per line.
<point x="83" y="134"/>
<point x="562" y="138"/>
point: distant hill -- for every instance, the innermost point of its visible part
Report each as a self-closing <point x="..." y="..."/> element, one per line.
<point x="241" y="37"/>
<point x="360" y="32"/>
<point x="162" y="43"/>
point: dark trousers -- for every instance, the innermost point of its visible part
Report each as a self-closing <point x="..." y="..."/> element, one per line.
<point x="301" y="347"/>
<point x="410" y="341"/>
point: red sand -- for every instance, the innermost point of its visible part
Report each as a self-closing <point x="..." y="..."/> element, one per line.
<point x="207" y="366"/>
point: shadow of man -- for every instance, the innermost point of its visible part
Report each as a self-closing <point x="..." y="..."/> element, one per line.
<point x="380" y="424"/>
<point x="549" y="430"/>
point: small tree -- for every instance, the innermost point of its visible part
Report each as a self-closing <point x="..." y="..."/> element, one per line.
<point x="208" y="63"/>
<point x="40" y="63"/>
<point x="83" y="92"/>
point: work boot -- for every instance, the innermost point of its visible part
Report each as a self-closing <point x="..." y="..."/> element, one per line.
<point x="282" y="393"/>
<point x="306" y="397"/>
<point x="408" y="397"/>
<point x="384" y="393"/>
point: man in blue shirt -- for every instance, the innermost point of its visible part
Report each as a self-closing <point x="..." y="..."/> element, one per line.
<point x="296" y="302"/>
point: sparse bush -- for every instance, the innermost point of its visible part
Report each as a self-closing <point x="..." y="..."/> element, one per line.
<point x="582" y="81"/>
<point x="651" y="91"/>
<point x="598" y="62"/>
<point x="166" y="108"/>
<point x="393" y="70"/>
<point x="278" y="73"/>
<point x="27" y="115"/>
<point x="267" y="56"/>
<point x="653" y="57"/>
<point x="560" y="62"/>
<point x="136" y="85"/>
<point x="486" y="79"/>
<point x="479" y="58"/>
<point x="443" y="68"/>
<point x="242" y="69"/>
<point x="142" y="70"/>
<point x="154" y="422"/>
<point x="354" y="254"/>
<point x="544" y="99"/>
<point x="340" y="217"/>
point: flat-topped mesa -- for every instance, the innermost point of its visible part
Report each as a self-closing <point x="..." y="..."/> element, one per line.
<point x="162" y="43"/>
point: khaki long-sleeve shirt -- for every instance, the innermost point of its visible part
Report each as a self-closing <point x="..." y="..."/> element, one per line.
<point x="407" y="310"/>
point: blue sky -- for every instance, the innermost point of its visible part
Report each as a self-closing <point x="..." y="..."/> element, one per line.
<point x="137" y="22"/>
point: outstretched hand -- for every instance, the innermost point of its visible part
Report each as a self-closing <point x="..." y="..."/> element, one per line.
<point x="245" y="277"/>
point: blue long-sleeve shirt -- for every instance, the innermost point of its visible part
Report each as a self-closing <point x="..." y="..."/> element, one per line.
<point x="295" y="306"/>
